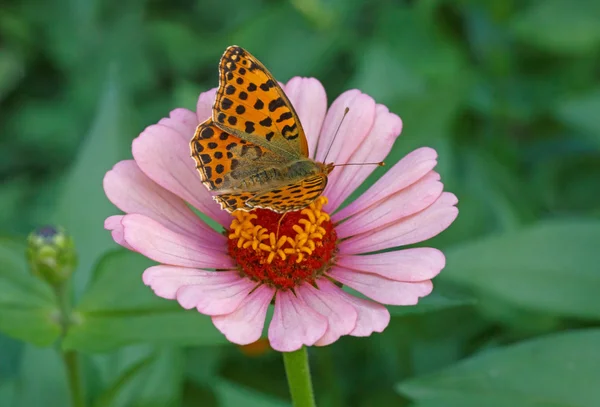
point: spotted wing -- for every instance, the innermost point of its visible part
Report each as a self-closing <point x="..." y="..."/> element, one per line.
<point x="290" y="197"/>
<point x="233" y="201"/>
<point x="251" y="105"/>
<point x="224" y="160"/>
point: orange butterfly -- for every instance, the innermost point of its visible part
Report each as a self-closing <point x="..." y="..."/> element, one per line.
<point x="253" y="150"/>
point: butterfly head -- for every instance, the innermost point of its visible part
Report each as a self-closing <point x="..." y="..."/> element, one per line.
<point x="326" y="168"/>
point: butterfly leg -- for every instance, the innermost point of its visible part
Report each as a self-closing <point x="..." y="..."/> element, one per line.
<point x="279" y="225"/>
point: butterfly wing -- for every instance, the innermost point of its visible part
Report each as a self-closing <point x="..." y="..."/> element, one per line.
<point x="233" y="201"/>
<point x="290" y="197"/>
<point x="251" y="105"/>
<point x="224" y="160"/>
<point x="284" y="198"/>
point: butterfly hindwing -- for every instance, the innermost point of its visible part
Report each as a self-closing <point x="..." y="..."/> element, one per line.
<point x="290" y="197"/>
<point x="233" y="201"/>
<point x="251" y="104"/>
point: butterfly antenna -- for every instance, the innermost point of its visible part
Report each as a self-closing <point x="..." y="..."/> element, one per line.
<point x="336" y="133"/>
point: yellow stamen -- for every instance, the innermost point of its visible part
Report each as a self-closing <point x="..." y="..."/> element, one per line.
<point x="309" y="234"/>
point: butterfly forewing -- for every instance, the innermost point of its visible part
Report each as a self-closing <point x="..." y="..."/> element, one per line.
<point x="253" y="151"/>
<point x="224" y="160"/>
<point x="251" y="104"/>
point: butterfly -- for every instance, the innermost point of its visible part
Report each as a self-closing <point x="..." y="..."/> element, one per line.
<point x="253" y="152"/>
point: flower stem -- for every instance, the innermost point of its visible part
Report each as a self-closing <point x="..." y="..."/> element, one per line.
<point x="298" y="376"/>
<point x="71" y="361"/>
<point x="70" y="358"/>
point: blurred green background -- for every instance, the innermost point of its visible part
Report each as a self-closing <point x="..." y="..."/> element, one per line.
<point x="507" y="91"/>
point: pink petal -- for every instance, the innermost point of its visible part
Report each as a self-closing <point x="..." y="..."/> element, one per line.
<point x="341" y="316"/>
<point x="405" y="172"/>
<point x="166" y="280"/>
<point x="382" y="289"/>
<point x="210" y="292"/>
<point x="407" y="202"/>
<point x="294" y="323"/>
<point x="162" y="245"/>
<point x="372" y="317"/>
<point x="215" y="298"/>
<point x="132" y="191"/>
<point x="113" y="223"/>
<point x="245" y="325"/>
<point x="164" y="156"/>
<point x="184" y="121"/>
<point x="205" y="104"/>
<point x="375" y="148"/>
<point x="352" y="132"/>
<point x="413" y="229"/>
<point x="310" y="102"/>
<point x="408" y="265"/>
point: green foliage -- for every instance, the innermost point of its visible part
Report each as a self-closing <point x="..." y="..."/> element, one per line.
<point x="554" y="370"/>
<point x="29" y="308"/>
<point x="506" y="91"/>
<point x="117" y="310"/>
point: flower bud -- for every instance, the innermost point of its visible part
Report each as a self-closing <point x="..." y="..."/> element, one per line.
<point x="51" y="254"/>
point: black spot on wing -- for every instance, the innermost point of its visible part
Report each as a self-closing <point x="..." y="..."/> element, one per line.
<point x="276" y="104"/>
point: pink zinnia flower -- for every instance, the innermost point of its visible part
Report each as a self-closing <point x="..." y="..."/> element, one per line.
<point x="234" y="276"/>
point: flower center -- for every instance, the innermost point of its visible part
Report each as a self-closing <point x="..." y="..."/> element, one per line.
<point x="283" y="250"/>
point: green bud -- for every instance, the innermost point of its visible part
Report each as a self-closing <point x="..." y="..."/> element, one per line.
<point x="51" y="254"/>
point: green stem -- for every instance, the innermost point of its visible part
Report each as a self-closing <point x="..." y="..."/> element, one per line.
<point x="70" y="358"/>
<point x="71" y="361"/>
<point x="298" y="376"/>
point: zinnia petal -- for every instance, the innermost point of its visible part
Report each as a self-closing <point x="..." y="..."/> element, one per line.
<point x="164" y="157"/>
<point x="163" y="245"/>
<point x="405" y="172"/>
<point x="341" y="316"/>
<point x="413" y="229"/>
<point x="205" y="105"/>
<point x="372" y="317"/>
<point x="130" y="190"/>
<point x="182" y="120"/>
<point x="382" y="289"/>
<point x="418" y="264"/>
<point x="407" y="202"/>
<point x="113" y="223"/>
<point x="245" y="325"/>
<point x="355" y="127"/>
<point x="294" y="323"/>
<point x="375" y="148"/>
<point x="310" y="102"/>
<point x="210" y="292"/>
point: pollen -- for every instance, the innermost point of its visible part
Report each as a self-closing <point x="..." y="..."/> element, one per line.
<point x="283" y="250"/>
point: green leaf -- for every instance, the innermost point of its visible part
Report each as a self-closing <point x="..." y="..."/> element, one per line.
<point x="82" y="206"/>
<point x="311" y="47"/>
<point x="553" y="371"/>
<point x="8" y="393"/>
<point x="29" y="308"/>
<point x="11" y="351"/>
<point x="154" y="380"/>
<point x="232" y="395"/>
<point x="43" y="379"/>
<point x="11" y="72"/>
<point x="581" y="113"/>
<point x="551" y="267"/>
<point x="118" y="309"/>
<point x="432" y="303"/>
<point x="560" y="26"/>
